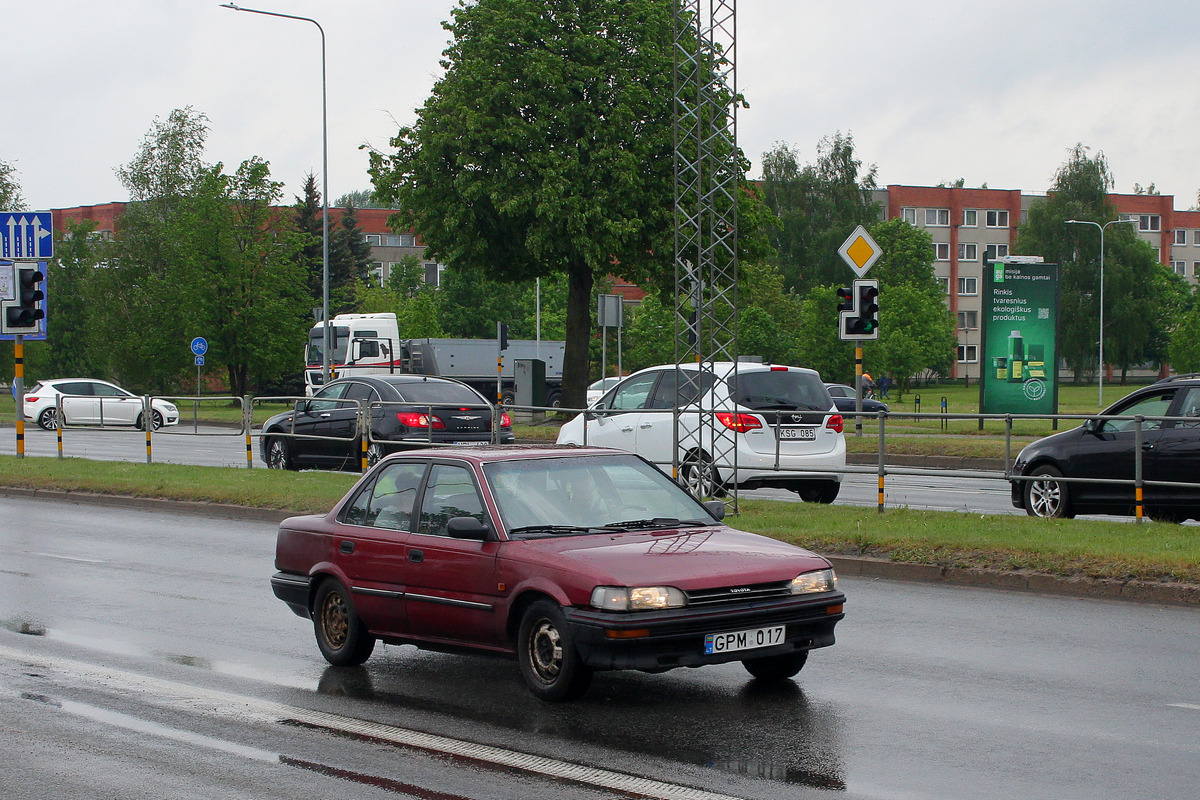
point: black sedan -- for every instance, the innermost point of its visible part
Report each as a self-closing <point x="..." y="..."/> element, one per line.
<point x="843" y="398"/>
<point x="405" y="411"/>
<point x="1104" y="450"/>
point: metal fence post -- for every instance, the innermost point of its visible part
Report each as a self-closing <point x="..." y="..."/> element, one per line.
<point x="1137" y="466"/>
<point x="881" y="416"/>
<point x="147" y="422"/>
<point x="248" y="427"/>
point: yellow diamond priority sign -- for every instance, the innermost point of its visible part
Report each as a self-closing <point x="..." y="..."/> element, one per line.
<point x="860" y="251"/>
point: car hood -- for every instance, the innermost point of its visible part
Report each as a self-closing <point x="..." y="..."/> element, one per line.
<point x="691" y="558"/>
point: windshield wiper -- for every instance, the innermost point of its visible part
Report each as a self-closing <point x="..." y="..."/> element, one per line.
<point x="557" y="529"/>
<point x="656" y="522"/>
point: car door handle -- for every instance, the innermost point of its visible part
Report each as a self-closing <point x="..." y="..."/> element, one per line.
<point x="1147" y="446"/>
<point x="324" y="416"/>
<point x="347" y="547"/>
<point x="645" y="425"/>
<point x="416" y="556"/>
<point x="628" y="429"/>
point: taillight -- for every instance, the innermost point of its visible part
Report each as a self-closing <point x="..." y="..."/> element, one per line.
<point x="414" y="419"/>
<point x="835" y="423"/>
<point x="505" y="420"/>
<point x="738" y="423"/>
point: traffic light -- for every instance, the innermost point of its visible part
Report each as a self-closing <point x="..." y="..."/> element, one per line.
<point x="22" y="313"/>
<point x="858" y="311"/>
<point x="868" y="306"/>
<point x="502" y="335"/>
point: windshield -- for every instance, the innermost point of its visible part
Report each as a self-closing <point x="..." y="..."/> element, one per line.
<point x="553" y="496"/>
<point x="784" y="390"/>
<point x="438" y="392"/>
<point x="316" y="346"/>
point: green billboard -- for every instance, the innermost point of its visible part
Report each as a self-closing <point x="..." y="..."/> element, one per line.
<point x="1019" y="319"/>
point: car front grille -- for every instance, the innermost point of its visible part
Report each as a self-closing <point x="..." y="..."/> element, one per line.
<point x="739" y="594"/>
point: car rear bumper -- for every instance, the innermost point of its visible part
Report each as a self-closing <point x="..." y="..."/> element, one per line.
<point x="675" y="638"/>
<point x="292" y="589"/>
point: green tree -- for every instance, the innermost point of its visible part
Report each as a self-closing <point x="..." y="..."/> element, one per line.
<point x="71" y="349"/>
<point x="306" y="217"/>
<point x="1136" y="319"/>
<point x="818" y="206"/>
<point x="546" y="148"/>
<point x="1184" y="347"/>
<point x="10" y="189"/>
<point x="349" y="262"/>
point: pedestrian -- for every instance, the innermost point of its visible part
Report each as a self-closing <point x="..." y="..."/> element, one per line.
<point x="885" y="383"/>
<point x="868" y="385"/>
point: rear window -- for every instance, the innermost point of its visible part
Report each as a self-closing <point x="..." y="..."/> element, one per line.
<point x="438" y="392"/>
<point x="786" y="391"/>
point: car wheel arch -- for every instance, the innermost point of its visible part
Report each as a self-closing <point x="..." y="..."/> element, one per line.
<point x="321" y="573"/>
<point x="523" y="599"/>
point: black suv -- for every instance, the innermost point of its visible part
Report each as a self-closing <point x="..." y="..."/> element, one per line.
<point x="406" y="412"/>
<point x="1103" y="449"/>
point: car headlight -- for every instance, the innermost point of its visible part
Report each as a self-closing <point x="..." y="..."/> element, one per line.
<point x="639" y="598"/>
<point x="822" y="580"/>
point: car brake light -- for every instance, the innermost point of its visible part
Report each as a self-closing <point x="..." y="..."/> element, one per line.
<point x="835" y="423"/>
<point x="738" y="423"/>
<point x="413" y="419"/>
<point x="505" y="420"/>
<point x="779" y="369"/>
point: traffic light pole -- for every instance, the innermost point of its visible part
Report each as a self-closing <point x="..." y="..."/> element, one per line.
<point x="19" y="390"/>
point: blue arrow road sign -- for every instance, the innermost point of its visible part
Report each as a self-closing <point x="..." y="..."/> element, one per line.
<point x="26" y="234"/>
<point x="199" y="345"/>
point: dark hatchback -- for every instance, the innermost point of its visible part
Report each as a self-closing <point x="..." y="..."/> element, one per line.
<point x="569" y="559"/>
<point x="843" y="398"/>
<point x="1103" y="449"/>
<point x="405" y="411"/>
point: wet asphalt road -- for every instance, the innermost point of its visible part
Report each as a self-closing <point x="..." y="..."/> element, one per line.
<point x="143" y="655"/>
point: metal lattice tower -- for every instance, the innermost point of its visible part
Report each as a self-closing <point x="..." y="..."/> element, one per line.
<point x="706" y="188"/>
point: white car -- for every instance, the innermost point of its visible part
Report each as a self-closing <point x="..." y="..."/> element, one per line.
<point x="87" y="401"/>
<point x="597" y="389"/>
<point x="778" y="422"/>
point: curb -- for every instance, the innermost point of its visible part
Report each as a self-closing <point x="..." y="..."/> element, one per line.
<point x="927" y="462"/>
<point x="1181" y="594"/>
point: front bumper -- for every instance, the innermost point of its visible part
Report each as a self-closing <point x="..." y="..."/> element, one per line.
<point x="675" y="638"/>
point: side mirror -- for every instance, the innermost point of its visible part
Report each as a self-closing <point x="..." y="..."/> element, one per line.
<point x="467" y="528"/>
<point x="301" y="407"/>
<point x="1092" y="425"/>
<point x="716" y="508"/>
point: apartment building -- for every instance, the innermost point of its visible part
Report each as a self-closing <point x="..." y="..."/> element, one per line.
<point x="968" y="225"/>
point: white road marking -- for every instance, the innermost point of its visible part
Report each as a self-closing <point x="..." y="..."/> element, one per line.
<point x="212" y="702"/>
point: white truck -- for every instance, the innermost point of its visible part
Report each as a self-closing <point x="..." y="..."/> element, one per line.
<point x="370" y="344"/>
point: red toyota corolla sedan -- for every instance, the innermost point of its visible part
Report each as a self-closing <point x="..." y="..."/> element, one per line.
<point x="571" y="559"/>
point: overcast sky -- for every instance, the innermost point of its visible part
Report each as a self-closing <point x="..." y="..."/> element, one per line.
<point x="994" y="93"/>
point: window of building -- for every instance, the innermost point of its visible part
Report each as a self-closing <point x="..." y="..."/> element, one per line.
<point x="994" y="251"/>
<point x="377" y="272"/>
<point x="937" y="217"/>
<point x="968" y="252"/>
<point x="1196" y="269"/>
<point x="997" y="219"/>
<point x="941" y="251"/>
<point x="970" y="218"/>
<point x="968" y="354"/>
<point x="1149" y="222"/>
<point x="1180" y="236"/>
<point x="968" y="320"/>
<point x="1196" y="238"/>
<point x="968" y="286"/>
<point x="1179" y="267"/>
<point x="408" y="240"/>
<point x="945" y="284"/>
<point x="433" y="272"/>
<point x="391" y="240"/>
<point x="909" y="215"/>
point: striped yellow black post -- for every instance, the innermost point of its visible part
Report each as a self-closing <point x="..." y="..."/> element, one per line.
<point x="19" y="384"/>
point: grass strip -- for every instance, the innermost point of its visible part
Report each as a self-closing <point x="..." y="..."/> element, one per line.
<point x="1088" y="548"/>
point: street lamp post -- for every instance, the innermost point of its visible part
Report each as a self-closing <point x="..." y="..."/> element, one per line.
<point x="1100" y="373"/>
<point x="325" y="343"/>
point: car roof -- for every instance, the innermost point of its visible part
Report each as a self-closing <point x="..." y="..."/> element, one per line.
<point x="724" y="368"/>
<point x="486" y="453"/>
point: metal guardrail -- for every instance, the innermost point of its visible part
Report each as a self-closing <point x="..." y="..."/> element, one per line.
<point x="246" y="427"/>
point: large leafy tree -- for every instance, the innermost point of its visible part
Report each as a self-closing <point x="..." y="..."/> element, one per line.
<point x="10" y="189"/>
<point x="1136" y="309"/>
<point x="818" y="206"/>
<point x="546" y="148"/>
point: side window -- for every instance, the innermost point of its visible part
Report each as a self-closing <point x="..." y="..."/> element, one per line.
<point x="78" y="387"/>
<point x="694" y="384"/>
<point x="1154" y="405"/>
<point x="104" y="390"/>
<point x="389" y="502"/>
<point x="1190" y="407"/>
<point x="450" y="493"/>
<point x="326" y="399"/>
<point x="360" y="392"/>
<point x="634" y="393"/>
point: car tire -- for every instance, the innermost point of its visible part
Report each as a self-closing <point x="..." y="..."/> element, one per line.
<point x="776" y="668"/>
<point x="156" y="421"/>
<point x="375" y="453"/>
<point x="699" y="476"/>
<point x="549" y="663"/>
<point x="48" y="419"/>
<point x="508" y="397"/>
<point x="341" y="635"/>
<point x="1046" y="497"/>
<point x="279" y="454"/>
<point x="819" y="491"/>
